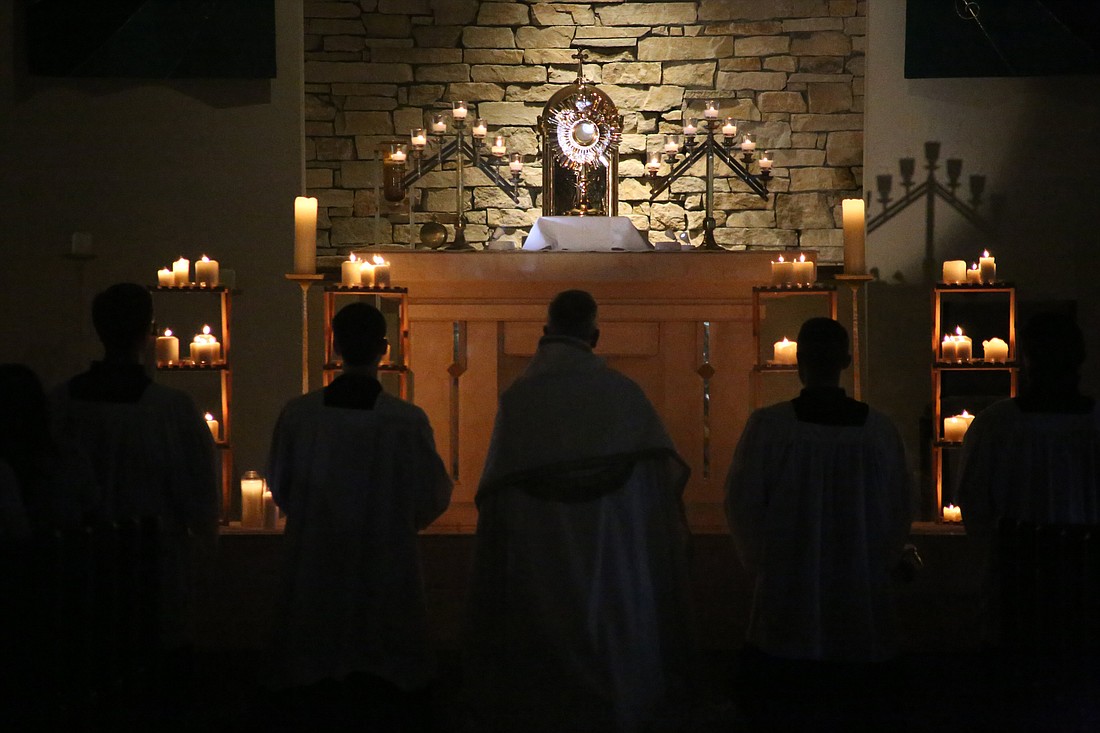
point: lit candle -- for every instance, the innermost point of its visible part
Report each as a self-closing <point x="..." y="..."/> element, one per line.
<point x="516" y="163"/>
<point x="165" y="277"/>
<point x="350" y="271"/>
<point x="987" y="266"/>
<point x="947" y="349"/>
<point x="419" y="138"/>
<point x="654" y="163"/>
<point x="852" y="215"/>
<point x="786" y="351"/>
<point x="439" y="124"/>
<point x="398" y="155"/>
<point x="952" y="513"/>
<point x="181" y="270"/>
<point x="672" y="144"/>
<point x="459" y="111"/>
<point x="963" y="345"/>
<point x="954" y="271"/>
<point x="804" y="270"/>
<point x="766" y="161"/>
<point x="205" y="348"/>
<point x="381" y="272"/>
<point x="206" y="272"/>
<point x="498" y="148"/>
<point x="305" y="235"/>
<point x="252" y="500"/>
<point x="748" y="144"/>
<point x="691" y="127"/>
<point x="481" y="129"/>
<point x="729" y="129"/>
<point x="167" y="348"/>
<point x="710" y="110"/>
<point x="366" y="274"/>
<point x="212" y="424"/>
<point x="995" y="350"/>
<point x="974" y="275"/>
<point x="782" y="272"/>
<point x="955" y="427"/>
<point x="270" y="511"/>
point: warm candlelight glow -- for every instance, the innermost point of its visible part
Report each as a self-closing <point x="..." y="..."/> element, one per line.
<point x="766" y="161"/>
<point x="305" y="235"/>
<point x="167" y="348"/>
<point x="516" y="163"/>
<point x="419" y="138"/>
<point x="381" y="271"/>
<point x="350" y="271"/>
<point x="498" y="148"/>
<point x="853" y="213"/>
<point x="654" y="163"/>
<point x="181" y="270"/>
<point x="729" y="129"/>
<point x="987" y="268"/>
<point x="782" y="272"/>
<point x="952" y="513"/>
<point x="786" y="352"/>
<point x="206" y="272"/>
<point x="459" y="111"/>
<point x="954" y="271"/>
<point x="710" y="110"/>
<point x="481" y="129"/>
<point x="805" y="271"/>
<point x="691" y="127"/>
<point x="212" y="424"/>
<point x="439" y="124"/>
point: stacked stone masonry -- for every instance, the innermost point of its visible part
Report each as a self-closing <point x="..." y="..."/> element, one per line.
<point x="790" y="71"/>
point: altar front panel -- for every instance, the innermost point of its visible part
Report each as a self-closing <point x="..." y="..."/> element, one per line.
<point x="476" y="318"/>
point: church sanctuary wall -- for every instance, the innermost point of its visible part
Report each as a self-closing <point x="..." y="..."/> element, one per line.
<point x="790" y="71"/>
<point x="1033" y="139"/>
<point x="153" y="169"/>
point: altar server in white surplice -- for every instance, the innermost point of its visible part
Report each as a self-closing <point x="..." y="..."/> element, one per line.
<point x="357" y="473"/>
<point x="1036" y="458"/>
<point x="579" y="605"/>
<point x="818" y="500"/>
<point x="151" y="452"/>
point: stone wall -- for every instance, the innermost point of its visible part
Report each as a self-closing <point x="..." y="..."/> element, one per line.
<point x="791" y="71"/>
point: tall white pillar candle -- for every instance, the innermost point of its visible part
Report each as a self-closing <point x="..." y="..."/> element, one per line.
<point x="305" y="235"/>
<point x="852" y="213"/>
<point x="987" y="266"/>
<point x="252" y="500"/>
<point x="206" y="272"/>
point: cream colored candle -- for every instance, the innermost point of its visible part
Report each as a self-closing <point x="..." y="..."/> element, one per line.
<point x="954" y="272"/>
<point x="995" y="350"/>
<point x="805" y="272"/>
<point x="747" y="144"/>
<point x="381" y="272"/>
<point x="729" y="129"/>
<point x="305" y="235"/>
<point x="366" y="274"/>
<point x="205" y="348"/>
<point x="786" y="351"/>
<point x="270" y="511"/>
<point x="213" y="425"/>
<point x="499" y="147"/>
<point x="987" y="266"/>
<point x="853" y="218"/>
<point x="952" y="513"/>
<point x="964" y="347"/>
<point x="350" y="271"/>
<point x="167" y="348"/>
<point x="181" y="268"/>
<point x="165" y="277"/>
<point x="252" y="500"/>
<point x="953" y="429"/>
<point x="947" y="349"/>
<point x="206" y="272"/>
<point x="973" y="275"/>
<point x="782" y="272"/>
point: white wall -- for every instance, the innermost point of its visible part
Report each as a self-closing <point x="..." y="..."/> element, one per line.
<point x="154" y="170"/>
<point x="1035" y="140"/>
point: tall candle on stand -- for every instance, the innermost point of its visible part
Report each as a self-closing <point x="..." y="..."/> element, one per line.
<point x="252" y="500"/>
<point x="853" y="218"/>
<point x="305" y="235"/>
<point x="168" y="348"/>
<point x="206" y="272"/>
<point x="181" y="268"/>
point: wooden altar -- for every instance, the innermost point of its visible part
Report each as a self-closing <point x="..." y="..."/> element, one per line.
<point x="678" y="323"/>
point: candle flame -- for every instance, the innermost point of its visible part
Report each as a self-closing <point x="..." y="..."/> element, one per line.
<point x="353" y="258"/>
<point x="167" y="332"/>
<point x="209" y="417"/>
<point x="985" y="253"/>
<point x="781" y="259"/>
<point x="965" y="414"/>
<point x="958" y="330"/>
<point x="974" y="266"/>
<point x="949" y="506"/>
<point x="206" y="330"/>
<point x="205" y="258"/>
<point x="802" y="258"/>
<point x="181" y="259"/>
<point x="379" y="260"/>
<point x="785" y="341"/>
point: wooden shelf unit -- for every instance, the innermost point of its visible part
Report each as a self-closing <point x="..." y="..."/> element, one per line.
<point x="225" y="373"/>
<point x="761" y="293"/>
<point x="401" y="369"/>
<point x="941" y="370"/>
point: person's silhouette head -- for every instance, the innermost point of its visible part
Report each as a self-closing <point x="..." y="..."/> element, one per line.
<point x="822" y="352"/>
<point x="123" y="316"/>
<point x="572" y="313"/>
<point x="1052" y="350"/>
<point x="359" y="335"/>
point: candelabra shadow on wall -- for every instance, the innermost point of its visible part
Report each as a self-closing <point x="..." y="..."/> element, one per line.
<point x="927" y="192"/>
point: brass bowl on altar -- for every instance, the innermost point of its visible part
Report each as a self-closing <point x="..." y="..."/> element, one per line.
<point x="433" y="235"/>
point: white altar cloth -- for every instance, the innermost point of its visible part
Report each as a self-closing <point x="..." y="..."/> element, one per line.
<point x="586" y="234"/>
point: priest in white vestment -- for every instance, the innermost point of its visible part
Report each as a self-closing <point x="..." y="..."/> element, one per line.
<point x="818" y="500"/>
<point x="579" y="607"/>
<point x="357" y="473"/>
<point x="150" y="451"/>
<point x="1036" y="458"/>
